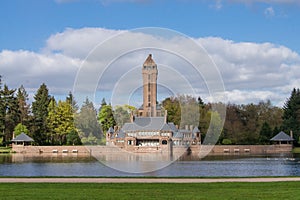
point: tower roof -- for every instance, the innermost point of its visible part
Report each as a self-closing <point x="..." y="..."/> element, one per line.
<point x="149" y="61"/>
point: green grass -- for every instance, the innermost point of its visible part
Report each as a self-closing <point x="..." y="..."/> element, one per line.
<point x="296" y="150"/>
<point x="273" y="190"/>
<point x="5" y="150"/>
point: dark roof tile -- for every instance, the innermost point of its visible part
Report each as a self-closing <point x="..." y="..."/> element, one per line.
<point x="281" y="136"/>
<point x="145" y="124"/>
<point x="22" y="138"/>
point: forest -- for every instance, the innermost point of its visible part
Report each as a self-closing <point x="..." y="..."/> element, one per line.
<point x="52" y="122"/>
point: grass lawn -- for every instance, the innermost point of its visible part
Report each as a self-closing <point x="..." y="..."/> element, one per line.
<point x="5" y="150"/>
<point x="296" y="150"/>
<point x="273" y="190"/>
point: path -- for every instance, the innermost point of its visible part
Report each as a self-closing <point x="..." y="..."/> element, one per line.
<point x="144" y="180"/>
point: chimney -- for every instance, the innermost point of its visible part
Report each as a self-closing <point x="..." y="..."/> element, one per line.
<point x="131" y="117"/>
<point x="186" y="127"/>
<point x="291" y="133"/>
<point x="166" y="116"/>
<point x="191" y="127"/>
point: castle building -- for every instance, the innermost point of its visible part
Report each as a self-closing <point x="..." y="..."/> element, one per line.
<point x="150" y="131"/>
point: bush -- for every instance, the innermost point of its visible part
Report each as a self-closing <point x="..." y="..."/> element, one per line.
<point x="226" y="141"/>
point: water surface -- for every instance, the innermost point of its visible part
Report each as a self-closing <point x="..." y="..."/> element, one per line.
<point x="211" y="166"/>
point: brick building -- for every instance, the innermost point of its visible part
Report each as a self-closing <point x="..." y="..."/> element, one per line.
<point x="150" y="131"/>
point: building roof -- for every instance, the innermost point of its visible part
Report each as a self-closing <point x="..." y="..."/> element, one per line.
<point x="149" y="61"/>
<point x="173" y="127"/>
<point x="178" y="135"/>
<point x="184" y="131"/>
<point x="282" y="136"/>
<point x="166" y="127"/>
<point x="145" y="123"/>
<point x="196" y="130"/>
<point x="121" y="134"/>
<point x="22" y="138"/>
<point x="110" y="130"/>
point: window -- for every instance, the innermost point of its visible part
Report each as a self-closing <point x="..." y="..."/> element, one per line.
<point x="164" y="142"/>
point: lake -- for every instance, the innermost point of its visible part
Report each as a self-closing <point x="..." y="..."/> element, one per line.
<point x="210" y="166"/>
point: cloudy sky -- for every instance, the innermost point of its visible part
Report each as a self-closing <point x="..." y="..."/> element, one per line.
<point x="250" y="48"/>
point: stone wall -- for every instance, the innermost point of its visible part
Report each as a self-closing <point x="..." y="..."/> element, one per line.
<point x="50" y="149"/>
<point x="194" y="149"/>
<point x="245" y="149"/>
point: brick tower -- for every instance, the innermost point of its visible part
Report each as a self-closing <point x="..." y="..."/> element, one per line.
<point x="149" y="72"/>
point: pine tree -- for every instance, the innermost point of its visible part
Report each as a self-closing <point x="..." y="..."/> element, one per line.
<point x="2" y="113"/>
<point x="52" y="122"/>
<point x="200" y="102"/>
<point x="86" y="122"/>
<point x="22" y="98"/>
<point x="40" y="113"/>
<point x="70" y="99"/>
<point x="10" y="116"/>
<point x="103" y="102"/>
<point x="265" y="134"/>
<point x="291" y="114"/>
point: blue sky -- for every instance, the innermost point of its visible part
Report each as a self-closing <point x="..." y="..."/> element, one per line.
<point x="27" y="24"/>
<point x="254" y="42"/>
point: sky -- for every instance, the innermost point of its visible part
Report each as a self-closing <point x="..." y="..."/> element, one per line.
<point x="253" y="46"/>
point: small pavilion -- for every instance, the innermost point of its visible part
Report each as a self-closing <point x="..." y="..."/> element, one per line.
<point x="282" y="138"/>
<point x="22" y="139"/>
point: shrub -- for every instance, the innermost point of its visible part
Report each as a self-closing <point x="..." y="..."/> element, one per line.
<point x="226" y="141"/>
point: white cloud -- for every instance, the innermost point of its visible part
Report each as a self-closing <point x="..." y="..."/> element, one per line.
<point x="251" y="71"/>
<point x="31" y="69"/>
<point x="269" y="12"/>
<point x="251" y="68"/>
<point x="217" y="5"/>
<point x="267" y="9"/>
<point x="77" y="42"/>
<point x="265" y="1"/>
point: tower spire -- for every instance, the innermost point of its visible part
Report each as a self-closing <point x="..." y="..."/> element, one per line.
<point x="149" y="61"/>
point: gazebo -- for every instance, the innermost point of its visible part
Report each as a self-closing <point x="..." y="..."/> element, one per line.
<point x="282" y="138"/>
<point x="22" y="139"/>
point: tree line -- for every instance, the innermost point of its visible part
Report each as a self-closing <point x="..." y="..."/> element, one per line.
<point x="52" y="122"/>
<point x="47" y="121"/>
<point x="244" y="124"/>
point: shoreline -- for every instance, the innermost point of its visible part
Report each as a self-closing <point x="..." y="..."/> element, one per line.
<point x="193" y="150"/>
<point x="146" y="180"/>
